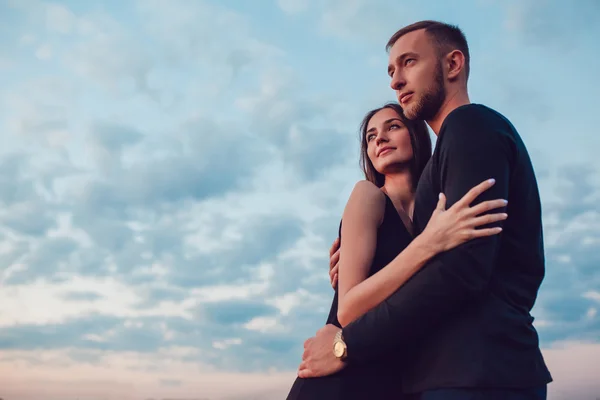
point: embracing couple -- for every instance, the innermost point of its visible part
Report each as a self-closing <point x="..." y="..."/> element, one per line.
<point x="439" y="257"/>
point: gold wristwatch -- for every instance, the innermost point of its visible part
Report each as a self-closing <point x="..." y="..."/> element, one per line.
<point x="339" y="346"/>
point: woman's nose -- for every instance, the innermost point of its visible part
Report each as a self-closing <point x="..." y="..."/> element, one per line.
<point x="380" y="139"/>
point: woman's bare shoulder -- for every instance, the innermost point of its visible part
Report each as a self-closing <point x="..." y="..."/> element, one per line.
<point x="366" y="199"/>
<point x="367" y="191"/>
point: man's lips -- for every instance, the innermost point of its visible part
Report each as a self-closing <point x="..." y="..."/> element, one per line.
<point x="405" y="97"/>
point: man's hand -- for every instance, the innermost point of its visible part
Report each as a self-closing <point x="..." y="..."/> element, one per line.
<point x="318" y="359"/>
<point x="334" y="260"/>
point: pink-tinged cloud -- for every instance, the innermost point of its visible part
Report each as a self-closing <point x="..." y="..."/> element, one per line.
<point x="576" y="371"/>
<point x="53" y="375"/>
<point x="132" y="376"/>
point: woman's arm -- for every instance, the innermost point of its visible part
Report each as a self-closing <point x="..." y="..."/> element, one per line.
<point x="445" y="230"/>
<point x="368" y="293"/>
<point x="360" y="221"/>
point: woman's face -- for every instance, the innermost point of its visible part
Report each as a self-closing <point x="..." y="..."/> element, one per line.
<point x="388" y="141"/>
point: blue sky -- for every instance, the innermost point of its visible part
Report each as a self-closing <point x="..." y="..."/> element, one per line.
<point x="172" y="174"/>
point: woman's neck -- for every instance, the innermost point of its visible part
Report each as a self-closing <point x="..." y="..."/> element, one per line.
<point x="399" y="188"/>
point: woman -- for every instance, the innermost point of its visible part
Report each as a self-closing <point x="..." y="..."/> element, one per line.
<point x="378" y="253"/>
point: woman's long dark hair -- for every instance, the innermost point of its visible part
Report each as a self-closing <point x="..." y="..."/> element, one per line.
<point x="419" y="140"/>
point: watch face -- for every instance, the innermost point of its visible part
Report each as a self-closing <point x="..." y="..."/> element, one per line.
<point x="338" y="349"/>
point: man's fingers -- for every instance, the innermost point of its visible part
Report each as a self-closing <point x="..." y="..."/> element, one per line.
<point x="307" y="342"/>
<point x="335" y="281"/>
<point x="334" y="246"/>
<point x="305" y="373"/>
<point x="333" y="271"/>
<point x="303" y="365"/>
<point x="334" y="259"/>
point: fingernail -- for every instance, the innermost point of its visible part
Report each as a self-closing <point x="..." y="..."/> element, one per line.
<point x="505" y="202"/>
<point x="492" y="180"/>
<point x="439" y="196"/>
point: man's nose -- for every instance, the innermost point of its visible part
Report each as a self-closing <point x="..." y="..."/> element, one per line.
<point x="397" y="82"/>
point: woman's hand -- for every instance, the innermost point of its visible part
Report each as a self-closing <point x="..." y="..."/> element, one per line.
<point x="449" y="228"/>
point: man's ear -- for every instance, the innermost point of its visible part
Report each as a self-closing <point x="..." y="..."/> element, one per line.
<point x="454" y="63"/>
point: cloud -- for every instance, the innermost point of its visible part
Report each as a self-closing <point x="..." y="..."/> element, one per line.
<point x="59" y="18"/>
<point x="236" y="311"/>
<point x="204" y="160"/>
<point x="47" y="260"/>
<point x="171" y="382"/>
<point x="30" y="218"/>
<point x="81" y="296"/>
<point x="293" y="124"/>
<point x="541" y="23"/>
<point x="564" y="307"/>
<point x="172" y="178"/>
<point x="129" y="377"/>
<point x="126" y="376"/>
<point x="185" y="34"/>
<point x="113" y="138"/>
<point x="14" y="187"/>
<point x="293" y="7"/>
<point x="363" y="21"/>
<point x="238" y="258"/>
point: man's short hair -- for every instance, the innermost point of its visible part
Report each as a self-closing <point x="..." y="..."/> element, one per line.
<point x="445" y="37"/>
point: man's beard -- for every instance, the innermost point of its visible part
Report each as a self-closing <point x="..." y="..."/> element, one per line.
<point x="429" y="105"/>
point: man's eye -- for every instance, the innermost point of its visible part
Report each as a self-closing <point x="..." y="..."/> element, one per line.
<point x="409" y="61"/>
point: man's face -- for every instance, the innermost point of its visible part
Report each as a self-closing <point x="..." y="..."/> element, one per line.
<point x="417" y="76"/>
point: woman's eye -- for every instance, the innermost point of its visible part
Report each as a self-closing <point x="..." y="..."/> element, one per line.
<point x="370" y="137"/>
<point x="394" y="126"/>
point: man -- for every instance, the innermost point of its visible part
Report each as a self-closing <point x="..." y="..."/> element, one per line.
<point x="467" y="312"/>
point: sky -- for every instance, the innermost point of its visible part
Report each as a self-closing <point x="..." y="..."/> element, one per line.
<point x="172" y="174"/>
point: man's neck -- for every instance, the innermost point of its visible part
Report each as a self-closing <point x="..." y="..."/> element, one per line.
<point x="453" y="101"/>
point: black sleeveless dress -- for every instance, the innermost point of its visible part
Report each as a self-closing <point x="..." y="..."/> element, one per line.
<point x="374" y="380"/>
